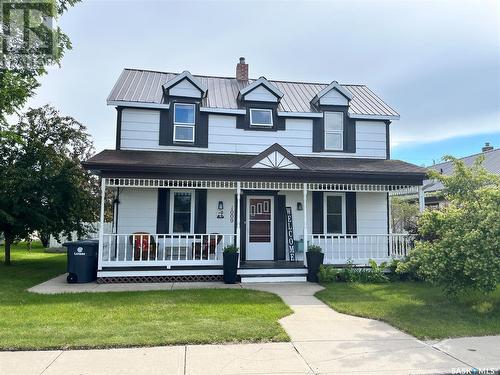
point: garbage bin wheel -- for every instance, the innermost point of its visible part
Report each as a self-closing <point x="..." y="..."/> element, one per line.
<point x="71" y="279"/>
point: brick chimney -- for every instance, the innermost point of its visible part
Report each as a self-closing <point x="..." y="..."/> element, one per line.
<point x="242" y="70"/>
<point x="487" y="147"/>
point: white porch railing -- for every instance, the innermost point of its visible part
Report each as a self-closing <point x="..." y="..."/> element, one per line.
<point x="360" y="248"/>
<point x="129" y="250"/>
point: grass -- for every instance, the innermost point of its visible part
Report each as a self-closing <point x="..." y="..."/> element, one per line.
<point x="121" y="319"/>
<point x="417" y="308"/>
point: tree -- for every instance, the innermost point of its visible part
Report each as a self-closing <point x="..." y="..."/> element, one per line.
<point x="404" y="214"/>
<point x="30" y="47"/>
<point x="460" y="246"/>
<point x="42" y="184"/>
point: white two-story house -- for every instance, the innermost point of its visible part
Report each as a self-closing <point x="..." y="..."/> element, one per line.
<point x="202" y="162"/>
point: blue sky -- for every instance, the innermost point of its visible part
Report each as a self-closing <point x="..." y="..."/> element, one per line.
<point x="436" y="62"/>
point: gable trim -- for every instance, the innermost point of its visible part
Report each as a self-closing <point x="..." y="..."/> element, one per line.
<point x="262" y="81"/>
<point x="185" y="75"/>
<point x="332" y="86"/>
<point x="291" y="159"/>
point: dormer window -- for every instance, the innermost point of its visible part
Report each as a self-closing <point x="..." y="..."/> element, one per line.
<point x="334" y="131"/>
<point x="261" y="117"/>
<point x="184" y="122"/>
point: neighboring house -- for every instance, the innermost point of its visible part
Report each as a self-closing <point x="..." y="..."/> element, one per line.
<point x="433" y="188"/>
<point x="202" y="162"/>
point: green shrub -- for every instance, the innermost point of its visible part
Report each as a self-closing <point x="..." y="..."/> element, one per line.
<point x="231" y="249"/>
<point x="327" y="273"/>
<point x="350" y="274"/>
<point x="314" y="249"/>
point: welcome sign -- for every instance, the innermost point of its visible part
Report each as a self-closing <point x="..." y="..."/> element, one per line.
<point x="289" y="234"/>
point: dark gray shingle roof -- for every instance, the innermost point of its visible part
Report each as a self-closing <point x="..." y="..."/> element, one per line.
<point x="145" y="86"/>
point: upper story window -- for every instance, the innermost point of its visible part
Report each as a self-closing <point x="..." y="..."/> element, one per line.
<point x="181" y="219"/>
<point x="184" y="122"/>
<point x="334" y="131"/>
<point x="334" y="213"/>
<point x="261" y="117"/>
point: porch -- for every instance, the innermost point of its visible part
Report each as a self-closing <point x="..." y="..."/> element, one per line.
<point x="270" y="238"/>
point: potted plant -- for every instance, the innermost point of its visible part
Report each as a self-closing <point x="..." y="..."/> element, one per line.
<point x="230" y="257"/>
<point x="315" y="257"/>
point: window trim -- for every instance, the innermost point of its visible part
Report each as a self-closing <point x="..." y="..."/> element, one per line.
<point x="185" y="124"/>
<point x="341" y="132"/>
<point x="171" y="213"/>
<point x="262" y="125"/>
<point x="325" y="212"/>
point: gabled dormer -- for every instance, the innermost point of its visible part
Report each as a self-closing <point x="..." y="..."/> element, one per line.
<point x="336" y="131"/>
<point x="185" y="85"/>
<point x="260" y="99"/>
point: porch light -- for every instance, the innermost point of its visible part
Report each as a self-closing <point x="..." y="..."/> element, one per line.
<point x="299" y="206"/>
<point x="220" y="206"/>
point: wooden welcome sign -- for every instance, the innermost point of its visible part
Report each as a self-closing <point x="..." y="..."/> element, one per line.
<point x="289" y="234"/>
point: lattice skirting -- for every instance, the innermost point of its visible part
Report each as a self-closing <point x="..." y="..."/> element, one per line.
<point x="159" y="279"/>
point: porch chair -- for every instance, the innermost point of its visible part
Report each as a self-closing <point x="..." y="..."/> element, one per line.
<point x="145" y="241"/>
<point x="203" y="250"/>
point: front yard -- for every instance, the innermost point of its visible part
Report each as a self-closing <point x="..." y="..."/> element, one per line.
<point x="417" y="308"/>
<point x="84" y="320"/>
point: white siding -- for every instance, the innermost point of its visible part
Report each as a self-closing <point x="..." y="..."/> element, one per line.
<point x="137" y="210"/>
<point x="140" y="130"/>
<point x="225" y="225"/>
<point x="186" y="89"/>
<point x="261" y="94"/>
<point x="371" y="213"/>
<point x="292" y="197"/>
<point x="333" y="97"/>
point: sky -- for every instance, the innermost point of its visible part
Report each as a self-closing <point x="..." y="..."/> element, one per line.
<point x="436" y="62"/>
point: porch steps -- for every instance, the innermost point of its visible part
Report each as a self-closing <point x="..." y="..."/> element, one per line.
<point x="272" y="275"/>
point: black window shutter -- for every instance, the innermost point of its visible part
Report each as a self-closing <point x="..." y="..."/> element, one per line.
<point x="163" y="213"/>
<point x="166" y="128"/>
<point x="318" y="135"/>
<point x="317" y="216"/>
<point x="349" y="135"/>
<point x="200" y="211"/>
<point x="350" y="206"/>
<point x="279" y="227"/>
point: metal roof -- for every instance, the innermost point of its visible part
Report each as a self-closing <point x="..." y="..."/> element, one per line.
<point x="145" y="86"/>
<point x="491" y="163"/>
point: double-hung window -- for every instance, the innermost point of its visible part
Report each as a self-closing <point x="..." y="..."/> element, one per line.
<point x="184" y="122"/>
<point x="182" y="211"/>
<point x="334" y="131"/>
<point x="261" y="117"/>
<point x="334" y="213"/>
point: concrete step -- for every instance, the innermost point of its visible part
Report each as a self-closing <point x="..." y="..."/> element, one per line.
<point x="273" y="278"/>
<point x="272" y="271"/>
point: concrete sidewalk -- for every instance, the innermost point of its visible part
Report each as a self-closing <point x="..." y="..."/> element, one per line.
<point x="322" y="341"/>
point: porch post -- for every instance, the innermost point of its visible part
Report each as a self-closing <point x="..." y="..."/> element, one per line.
<point x="305" y="220"/>
<point x="101" y="225"/>
<point x="421" y="198"/>
<point x="238" y="221"/>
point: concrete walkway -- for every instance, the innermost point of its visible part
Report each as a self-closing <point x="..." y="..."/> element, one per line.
<point x="322" y="341"/>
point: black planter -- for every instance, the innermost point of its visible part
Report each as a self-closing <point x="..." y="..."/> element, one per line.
<point x="314" y="260"/>
<point x="230" y="267"/>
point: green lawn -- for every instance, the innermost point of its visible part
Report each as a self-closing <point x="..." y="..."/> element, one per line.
<point x="83" y="320"/>
<point x="417" y="308"/>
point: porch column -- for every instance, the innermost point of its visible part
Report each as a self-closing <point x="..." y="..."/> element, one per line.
<point x="304" y="206"/>
<point x="238" y="221"/>
<point x="421" y="198"/>
<point x="101" y="225"/>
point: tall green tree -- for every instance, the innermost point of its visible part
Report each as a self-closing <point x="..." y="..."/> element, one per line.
<point x="31" y="45"/>
<point x="42" y="184"/>
<point x="460" y="245"/>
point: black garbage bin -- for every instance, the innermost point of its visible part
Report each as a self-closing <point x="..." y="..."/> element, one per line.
<point x="82" y="261"/>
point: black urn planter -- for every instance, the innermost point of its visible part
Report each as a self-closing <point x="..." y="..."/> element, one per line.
<point x="230" y="267"/>
<point x="314" y="260"/>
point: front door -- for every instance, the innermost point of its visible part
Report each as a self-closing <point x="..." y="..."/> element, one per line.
<point x="260" y="228"/>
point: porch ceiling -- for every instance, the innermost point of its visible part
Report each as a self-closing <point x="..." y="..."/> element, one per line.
<point x="154" y="164"/>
